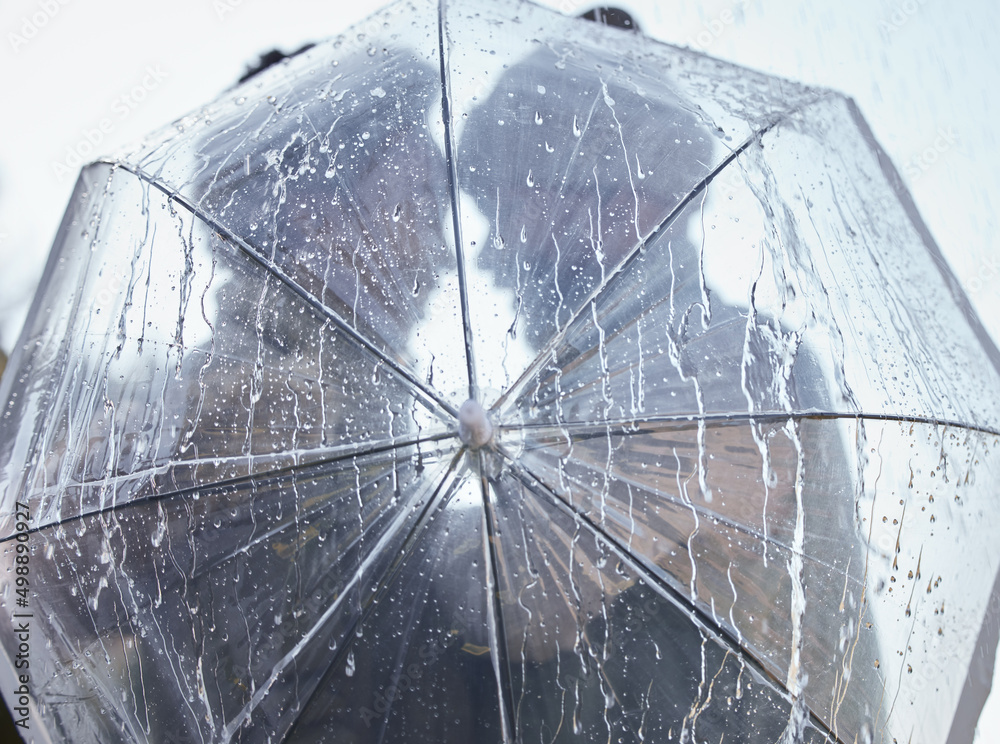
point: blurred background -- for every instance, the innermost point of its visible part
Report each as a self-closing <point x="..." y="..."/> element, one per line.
<point x="81" y="78"/>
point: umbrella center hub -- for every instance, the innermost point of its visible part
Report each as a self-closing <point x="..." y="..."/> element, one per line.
<point x="474" y="427"/>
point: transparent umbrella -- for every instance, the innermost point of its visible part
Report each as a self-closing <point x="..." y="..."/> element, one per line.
<point x="489" y="375"/>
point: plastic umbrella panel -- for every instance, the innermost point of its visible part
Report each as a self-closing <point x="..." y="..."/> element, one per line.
<point x="741" y="453"/>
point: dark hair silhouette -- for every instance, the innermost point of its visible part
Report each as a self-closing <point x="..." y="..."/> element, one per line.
<point x="612" y="17"/>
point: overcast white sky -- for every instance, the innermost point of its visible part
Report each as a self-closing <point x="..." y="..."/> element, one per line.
<point x="923" y="72"/>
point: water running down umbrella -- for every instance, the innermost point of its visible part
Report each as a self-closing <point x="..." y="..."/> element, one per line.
<point x="496" y="376"/>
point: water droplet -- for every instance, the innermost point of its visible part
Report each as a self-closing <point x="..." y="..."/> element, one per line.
<point x="538" y="118"/>
<point x="161" y="530"/>
<point x="378" y="92"/>
<point x="531" y="178"/>
<point x="349" y="669"/>
<point x="396" y="213"/>
<point x="524" y="234"/>
<point x="576" y="127"/>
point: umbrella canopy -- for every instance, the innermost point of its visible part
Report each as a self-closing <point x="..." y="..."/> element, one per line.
<point x="489" y="375"/>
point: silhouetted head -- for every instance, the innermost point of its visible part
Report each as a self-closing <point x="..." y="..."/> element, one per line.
<point x="612" y="17"/>
<point x="268" y="59"/>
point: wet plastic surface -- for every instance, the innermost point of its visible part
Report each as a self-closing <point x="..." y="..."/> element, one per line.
<point x="732" y="476"/>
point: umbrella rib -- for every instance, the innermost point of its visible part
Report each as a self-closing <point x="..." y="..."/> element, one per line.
<point x="906" y="199"/>
<point x="258" y="538"/>
<point x="657" y="423"/>
<point x="497" y="628"/>
<point x="626" y="262"/>
<point x="425" y="393"/>
<point x="370" y="449"/>
<point x="581" y="431"/>
<point x="703" y="513"/>
<point x="698" y="616"/>
<point x="452" y="165"/>
<point x="441" y="495"/>
<point x="334" y="454"/>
